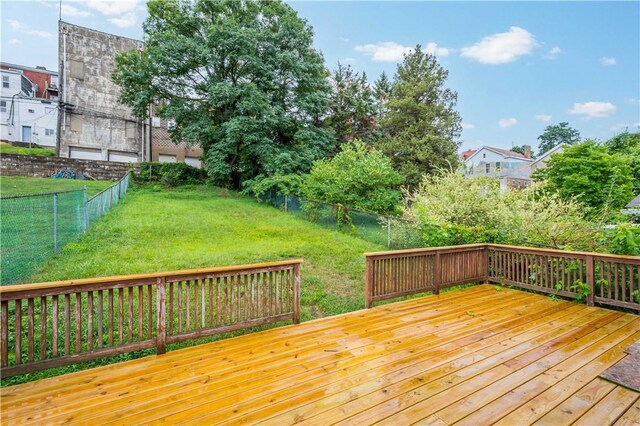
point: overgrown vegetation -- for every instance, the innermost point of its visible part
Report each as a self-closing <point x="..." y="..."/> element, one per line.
<point x="171" y="174"/>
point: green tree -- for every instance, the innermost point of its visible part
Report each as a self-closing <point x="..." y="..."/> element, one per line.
<point x="381" y="93"/>
<point x="240" y="78"/>
<point x="628" y="145"/>
<point x="556" y="135"/>
<point x="421" y="125"/>
<point x="351" y="106"/>
<point x="358" y="177"/>
<point x="520" y="150"/>
<point x="587" y="173"/>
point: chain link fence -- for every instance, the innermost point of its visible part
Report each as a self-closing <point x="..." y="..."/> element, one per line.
<point x="389" y="231"/>
<point x="33" y="227"/>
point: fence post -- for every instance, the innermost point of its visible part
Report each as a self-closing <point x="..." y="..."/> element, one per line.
<point x="368" y="283"/>
<point x="590" y="281"/>
<point x="286" y="203"/>
<point x="296" y="293"/>
<point x="388" y="232"/>
<point x="110" y="196"/>
<point x="85" y="209"/>
<point x="55" y="222"/>
<point x="161" y="318"/>
<point x="437" y="274"/>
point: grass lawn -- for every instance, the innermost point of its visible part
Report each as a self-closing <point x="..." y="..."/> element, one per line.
<point x="18" y="185"/>
<point x="162" y="230"/>
<point x="6" y="148"/>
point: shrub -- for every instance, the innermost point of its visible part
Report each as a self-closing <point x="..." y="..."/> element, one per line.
<point x="276" y="184"/>
<point x="171" y="174"/>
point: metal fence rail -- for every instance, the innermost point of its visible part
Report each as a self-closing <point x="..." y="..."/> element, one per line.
<point x="34" y="227"/>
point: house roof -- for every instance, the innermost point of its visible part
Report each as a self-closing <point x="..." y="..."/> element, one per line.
<point x="504" y="152"/>
<point x="553" y="150"/>
<point x="635" y="203"/>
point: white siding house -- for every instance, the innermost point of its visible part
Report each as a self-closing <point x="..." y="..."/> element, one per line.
<point x="511" y="168"/>
<point x="23" y="117"/>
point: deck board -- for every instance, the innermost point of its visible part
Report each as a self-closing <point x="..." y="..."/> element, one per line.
<point x="472" y="356"/>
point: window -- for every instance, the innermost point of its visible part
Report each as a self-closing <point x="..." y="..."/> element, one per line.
<point x="488" y="167"/>
<point x="3" y="106"/>
<point x="49" y="132"/>
<point x="484" y="155"/>
<point x="5" y="81"/>
<point x="497" y="165"/>
<point x="31" y="111"/>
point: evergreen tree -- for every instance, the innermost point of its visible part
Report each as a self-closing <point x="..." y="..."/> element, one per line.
<point x="421" y="125"/>
<point x="381" y="93"/>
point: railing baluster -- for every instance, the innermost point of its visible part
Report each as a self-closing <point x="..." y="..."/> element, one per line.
<point x="4" y="333"/>
<point x="78" y="318"/>
<point x="30" y="326"/>
<point x="90" y="321"/>
<point x="18" y="335"/>
<point x="67" y="324"/>
<point x="43" y="327"/>
<point x="54" y="326"/>
<point x="100" y="317"/>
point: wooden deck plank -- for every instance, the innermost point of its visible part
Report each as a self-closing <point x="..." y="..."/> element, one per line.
<point x="473" y="356"/>
<point x="161" y="377"/>
<point x="214" y="385"/>
<point x="631" y="417"/>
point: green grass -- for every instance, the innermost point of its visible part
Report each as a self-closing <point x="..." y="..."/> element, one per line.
<point x="10" y="149"/>
<point x="162" y="230"/>
<point x="18" y="185"/>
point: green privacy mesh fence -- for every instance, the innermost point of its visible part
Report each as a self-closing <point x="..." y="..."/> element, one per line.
<point x="391" y="232"/>
<point x="33" y="227"/>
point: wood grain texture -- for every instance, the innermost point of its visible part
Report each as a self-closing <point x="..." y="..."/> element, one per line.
<point x="472" y="356"/>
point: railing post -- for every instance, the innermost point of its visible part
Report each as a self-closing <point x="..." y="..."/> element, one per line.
<point x="161" y="326"/>
<point x="296" y="293"/>
<point x="486" y="264"/>
<point x="590" y="281"/>
<point x="437" y="275"/>
<point x="55" y="223"/>
<point x="368" y="283"/>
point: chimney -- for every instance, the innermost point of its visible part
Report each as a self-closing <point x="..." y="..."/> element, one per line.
<point x="40" y="67"/>
<point x="527" y="151"/>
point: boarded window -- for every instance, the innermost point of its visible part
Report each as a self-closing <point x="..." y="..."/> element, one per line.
<point x="130" y="129"/>
<point x="75" y="123"/>
<point x="76" y="69"/>
<point x="166" y="158"/>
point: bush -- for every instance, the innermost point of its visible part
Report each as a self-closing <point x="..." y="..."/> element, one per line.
<point x="171" y="174"/>
<point x="277" y="184"/>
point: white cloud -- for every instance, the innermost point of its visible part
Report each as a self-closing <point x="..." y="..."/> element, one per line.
<point x="113" y="7"/>
<point x="553" y="53"/>
<point x="502" y="48"/>
<point x="125" y="21"/>
<point x="14" y="41"/>
<point x="624" y="127"/>
<point x="25" y="29"/>
<point x="388" y="51"/>
<point x="593" y="109"/>
<point x="632" y="101"/>
<point x="507" y="122"/>
<point x="543" y="117"/>
<point x="70" y="11"/>
<point x="608" y="61"/>
<point x="17" y="25"/>
<point x="468" y="126"/>
<point x="433" y="49"/>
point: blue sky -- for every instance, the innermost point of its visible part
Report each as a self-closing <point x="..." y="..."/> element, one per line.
<point x="517" y="66"/>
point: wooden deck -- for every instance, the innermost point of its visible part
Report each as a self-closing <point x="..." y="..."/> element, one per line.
<point x="473" y="356"/>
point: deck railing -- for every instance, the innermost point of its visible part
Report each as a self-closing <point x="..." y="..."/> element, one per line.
<point x="608" y="280"/>
<point x="52" y="324"/>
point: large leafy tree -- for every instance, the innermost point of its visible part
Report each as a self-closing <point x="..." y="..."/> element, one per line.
<point x="421" y="125"/>
<point x="351" y="106"/>
<point x="628" y="145"/>
<point x="556" y="135"/>
<point x="587" y="173"/>
<point x="240" y="78"/>
<point x="358" y="177"/>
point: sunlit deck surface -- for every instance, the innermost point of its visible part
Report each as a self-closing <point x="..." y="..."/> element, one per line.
<point x="475" y="356"/>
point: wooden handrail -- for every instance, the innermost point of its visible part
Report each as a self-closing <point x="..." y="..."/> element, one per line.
<point x="606" y="279"/>
<point x="138" y="277"/>
<point x="51" y="324"/>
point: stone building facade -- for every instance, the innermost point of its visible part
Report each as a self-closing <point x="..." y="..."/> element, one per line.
<point x="93" y="124"/>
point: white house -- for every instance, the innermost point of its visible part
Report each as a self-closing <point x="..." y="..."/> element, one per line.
<point x="541" y="162"/>
<point x="511" y="168"/>
<point x="24" y="117"/>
